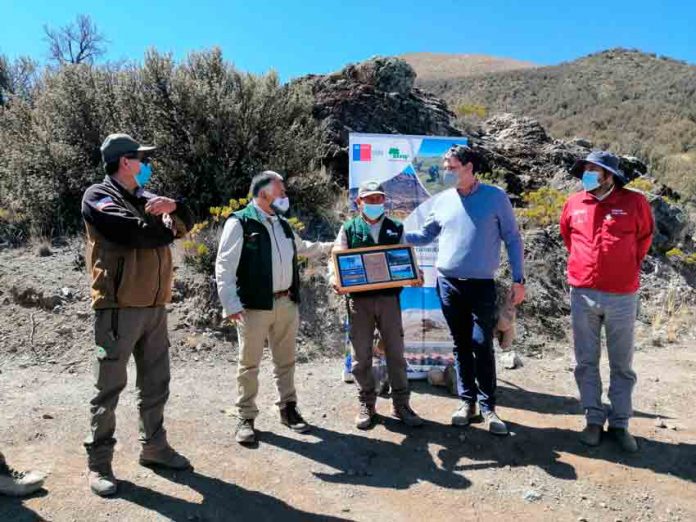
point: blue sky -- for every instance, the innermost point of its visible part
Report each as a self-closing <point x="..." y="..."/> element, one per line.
<point x="312" y="36"/>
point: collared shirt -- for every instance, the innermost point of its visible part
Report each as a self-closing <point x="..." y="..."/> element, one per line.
<point x="230" y="252"/>
<point x="603" y="196"/>
<point x="471" y="189"/>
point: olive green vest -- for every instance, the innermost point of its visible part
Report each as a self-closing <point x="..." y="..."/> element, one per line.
<point x="255" y="271"/>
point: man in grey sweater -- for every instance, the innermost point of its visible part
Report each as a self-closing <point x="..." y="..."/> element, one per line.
<point x="471" y="221"/>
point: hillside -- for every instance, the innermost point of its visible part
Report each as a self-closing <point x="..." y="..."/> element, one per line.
<point x="628" y="101"/>
<point x="440" y="66"/>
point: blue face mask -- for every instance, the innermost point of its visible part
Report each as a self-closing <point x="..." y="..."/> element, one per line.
<point x="450" y="178"/>
<point x="144" y="174"/>
<point x="590" y="180"/>
<point x="373" y="211"/>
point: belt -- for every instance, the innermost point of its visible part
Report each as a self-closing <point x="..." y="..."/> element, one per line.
<point x="283" y="293"/>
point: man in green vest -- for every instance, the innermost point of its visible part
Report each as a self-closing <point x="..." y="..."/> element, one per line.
<point x="258" y="285"/>
<point x="376" y="308"/>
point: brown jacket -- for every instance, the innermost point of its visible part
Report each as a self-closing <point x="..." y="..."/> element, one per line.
<point x="128" y="251"/>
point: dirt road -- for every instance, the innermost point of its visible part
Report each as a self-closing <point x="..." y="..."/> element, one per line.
<point x="437" y="472"/>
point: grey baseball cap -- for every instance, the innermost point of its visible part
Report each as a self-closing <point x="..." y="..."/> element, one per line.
<point x="370" y="187"/>
<point x="117" y="145"/>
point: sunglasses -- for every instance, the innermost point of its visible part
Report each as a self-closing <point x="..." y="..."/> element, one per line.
<point x="145" y="160"/>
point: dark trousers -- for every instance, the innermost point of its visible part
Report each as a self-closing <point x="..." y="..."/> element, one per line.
<point x="469" y="308"/>
<point x="120" y="333"/>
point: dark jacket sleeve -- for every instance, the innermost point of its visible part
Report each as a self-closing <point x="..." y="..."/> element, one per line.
<point x="119" y="224"/>
<point x="184" y="218"/>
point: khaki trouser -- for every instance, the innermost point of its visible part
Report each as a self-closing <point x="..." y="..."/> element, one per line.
<point x="383" y="312"/>
<point x="119" y="333"/>
<point x="278" y="326"/>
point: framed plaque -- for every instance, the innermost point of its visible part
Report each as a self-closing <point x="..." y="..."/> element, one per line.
<point x="375" y="268"/>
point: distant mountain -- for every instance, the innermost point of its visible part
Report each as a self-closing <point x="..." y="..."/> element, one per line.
<point x="628" y="101"/>
<point x="440" y="66"/>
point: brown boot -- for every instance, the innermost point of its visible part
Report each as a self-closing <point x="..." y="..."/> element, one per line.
<point x="405" y="414"/>
<point x="165" y="457"/>
<point x="366" y="416"/>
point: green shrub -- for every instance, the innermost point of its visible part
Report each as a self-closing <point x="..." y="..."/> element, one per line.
<point x="214" y="127"/>
<point x="543" y="207"/>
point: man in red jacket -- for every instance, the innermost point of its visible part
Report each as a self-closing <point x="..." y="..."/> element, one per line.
<point x="608" y="231"/>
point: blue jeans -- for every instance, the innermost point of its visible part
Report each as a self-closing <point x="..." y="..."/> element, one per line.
<point x="469" y="308"/>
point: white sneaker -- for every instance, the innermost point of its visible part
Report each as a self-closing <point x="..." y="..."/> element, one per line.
<point x="19" y="483"/>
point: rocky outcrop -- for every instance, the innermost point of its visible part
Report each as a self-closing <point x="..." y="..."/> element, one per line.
<point x="376" y="96"/>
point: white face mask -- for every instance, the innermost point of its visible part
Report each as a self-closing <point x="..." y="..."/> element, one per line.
<point x="281" y="205"/>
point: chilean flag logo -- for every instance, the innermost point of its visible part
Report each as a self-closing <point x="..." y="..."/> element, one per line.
<point x="362" y="152"/>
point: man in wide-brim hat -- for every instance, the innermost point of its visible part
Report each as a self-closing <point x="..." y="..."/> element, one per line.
<point x="608" y="231"/>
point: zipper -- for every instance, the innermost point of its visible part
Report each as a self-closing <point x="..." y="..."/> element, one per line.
<point x="159" y="276"/>
<point x="280" y="252"/>
<point x="119" y="276"/>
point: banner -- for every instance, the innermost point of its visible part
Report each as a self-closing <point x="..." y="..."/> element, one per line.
<point x="410" y="169"/>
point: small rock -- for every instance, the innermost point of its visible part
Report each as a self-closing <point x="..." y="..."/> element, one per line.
<point x="532" y="496"/>
<point x="603" y="505"/>
<point x="47" y="416"/>
<point x="510" y="360"/>
<point x="660" y="423"/>
<point x="66" y="292"/>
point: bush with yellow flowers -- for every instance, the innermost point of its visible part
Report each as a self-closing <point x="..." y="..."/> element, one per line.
<point x="200" y="248"/>
<point x="677" y="254"/>
<point x="542" y="207"/>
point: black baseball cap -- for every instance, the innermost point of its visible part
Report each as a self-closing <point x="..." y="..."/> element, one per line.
<point x="117" y="145"/>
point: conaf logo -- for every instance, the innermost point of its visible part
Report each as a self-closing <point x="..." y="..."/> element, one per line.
<point x="395" y="154"/>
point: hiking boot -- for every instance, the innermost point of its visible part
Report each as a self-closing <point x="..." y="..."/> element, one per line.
<point x="102" y="481"/>
<point x="464" y="414"/>
<point x="366" y="416"/>
<point x="626" y="441"/>
<point x="591" y="435"/>
<point x="245" y="433"/>
<point x="405" y="414"/>
<point x="292" y="418"/>
<point x="494" y="424"/>
<point x="165" y="457"/>
<point x="19" y="483"/>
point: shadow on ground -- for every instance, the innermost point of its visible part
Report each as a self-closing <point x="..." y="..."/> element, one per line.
<point x="221" y="501"/>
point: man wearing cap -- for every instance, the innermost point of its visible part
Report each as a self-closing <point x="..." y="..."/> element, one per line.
<point x="471" y="220"/>
<point x="607" y="230"/>
<point x="129" y="233"/>
<point x="375" y="308"/>
<point x="259" y="287"/>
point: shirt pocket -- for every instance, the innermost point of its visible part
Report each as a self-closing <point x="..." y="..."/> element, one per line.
<point x="619" y="227"/>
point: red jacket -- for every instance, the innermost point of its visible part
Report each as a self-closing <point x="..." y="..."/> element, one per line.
<point x="607" y="239"/>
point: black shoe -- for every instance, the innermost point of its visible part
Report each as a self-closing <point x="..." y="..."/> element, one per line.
<point x="626" y="441"/>
<point x="245" y="432"/>
<point x="292" y="418"/>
